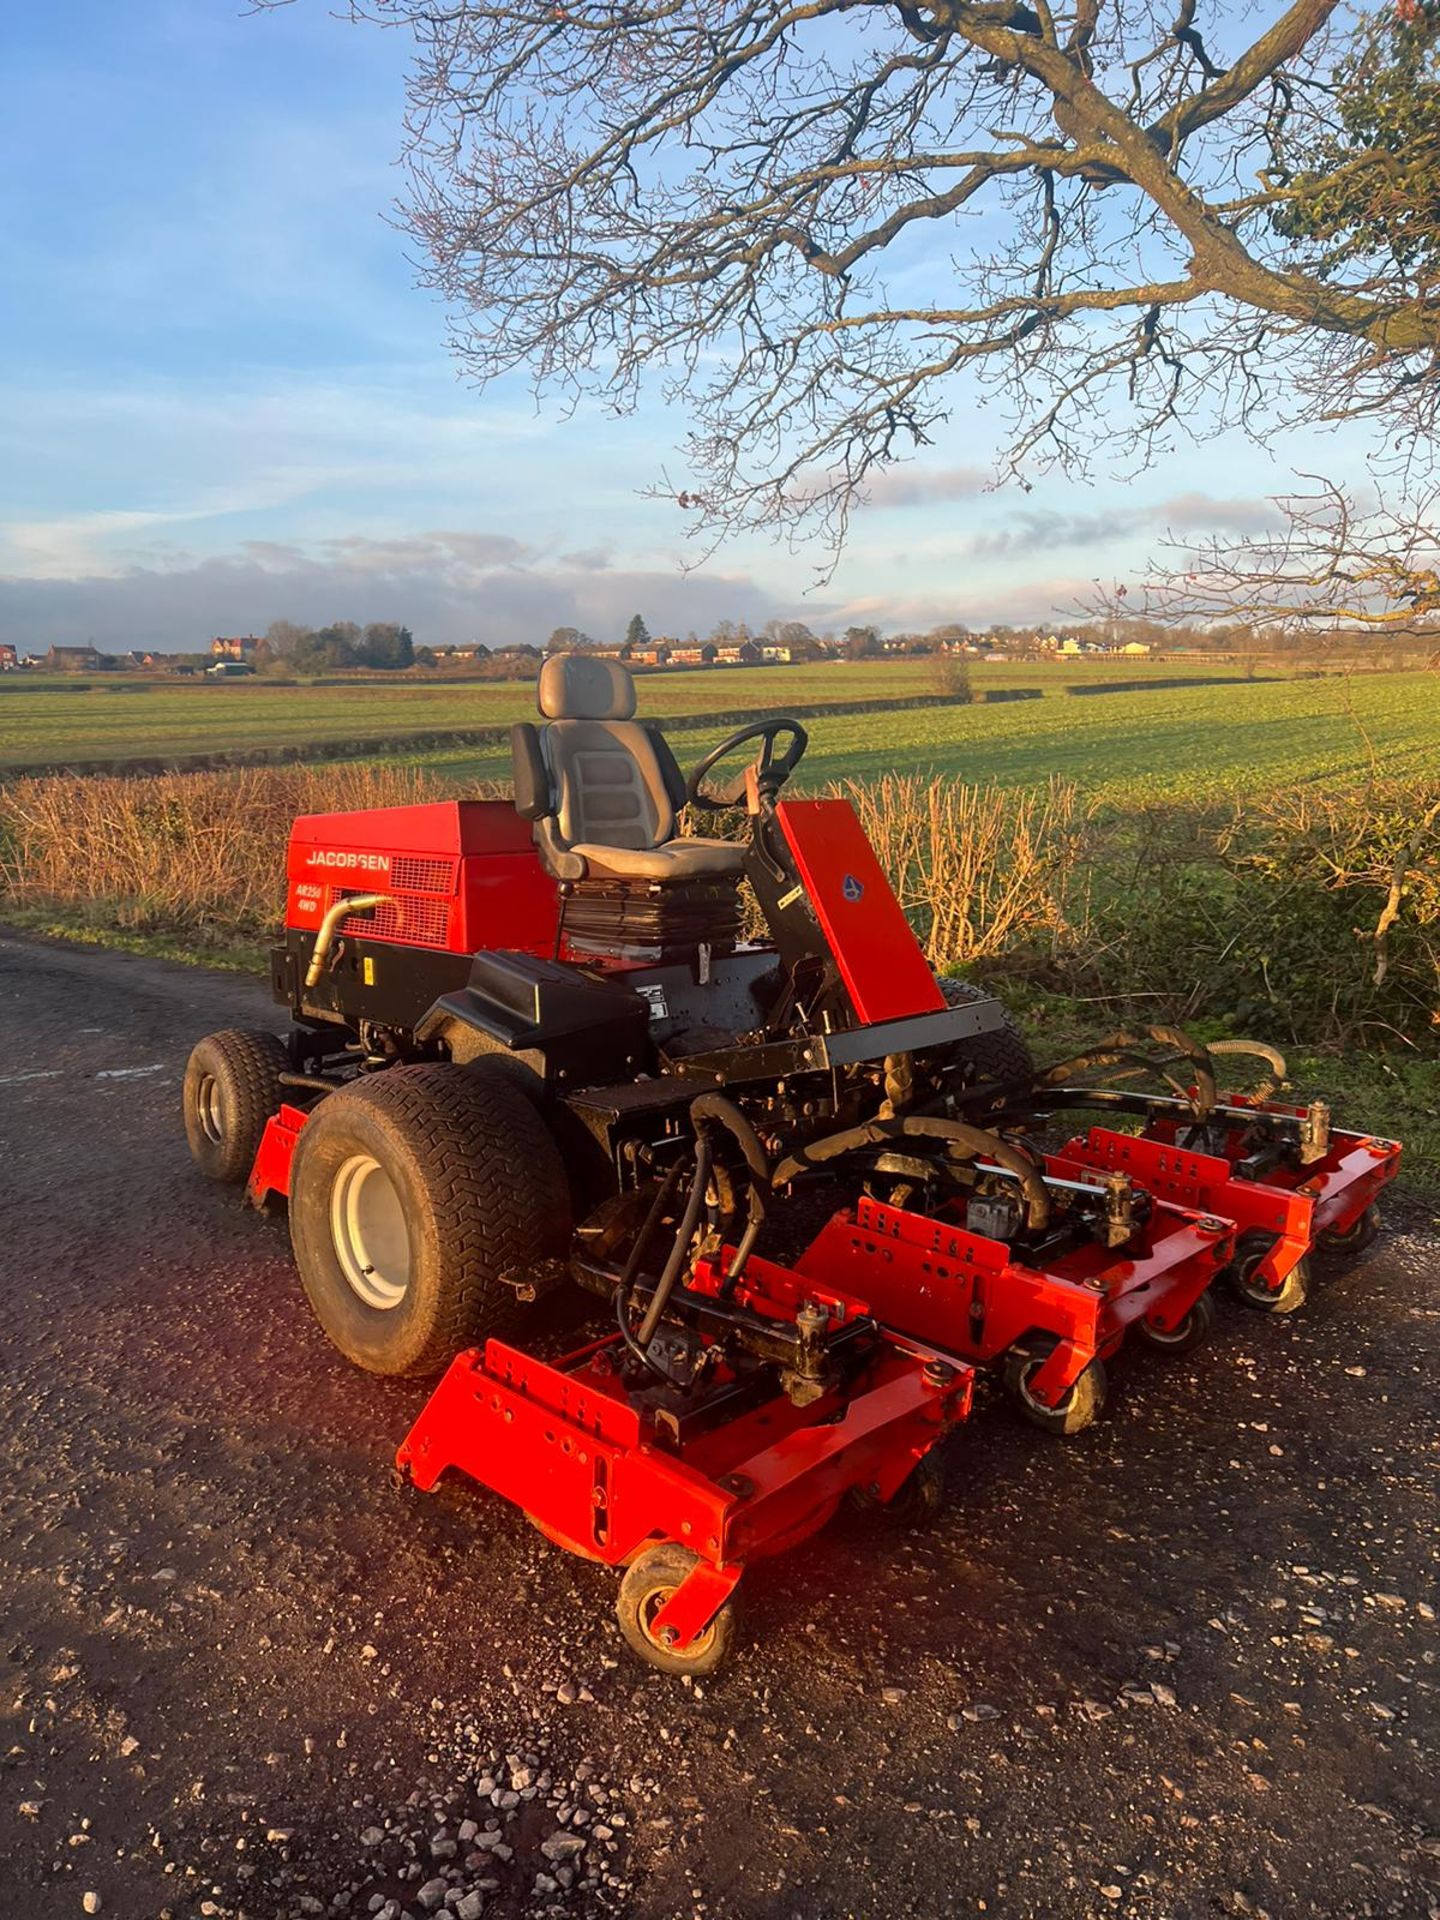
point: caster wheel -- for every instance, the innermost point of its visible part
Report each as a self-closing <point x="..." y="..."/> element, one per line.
<point x="649" y="1582"/>
<point x="919" y="1497"/>
<point x="1353" y="1240"/>
<point x="1078" y="1409"/>
<point x="1252" y="1291"/>
<point x="1193" y="1331"/>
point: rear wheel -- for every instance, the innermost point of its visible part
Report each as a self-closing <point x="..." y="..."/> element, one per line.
<point x="1002" y="1054"/>
<point x="419" y="1199"/>
<point x="232" y="1086"/>
<point x="1078" y="1407"/>
<point x="1190" y="1332"/>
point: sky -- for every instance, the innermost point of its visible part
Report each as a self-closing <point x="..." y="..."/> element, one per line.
<point x="224" y="400"/>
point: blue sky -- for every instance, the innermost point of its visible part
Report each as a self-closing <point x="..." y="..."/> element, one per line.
<point x="224" y="401"/>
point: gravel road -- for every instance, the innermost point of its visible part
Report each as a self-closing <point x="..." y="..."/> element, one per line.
<point x="1184" y="1666"/>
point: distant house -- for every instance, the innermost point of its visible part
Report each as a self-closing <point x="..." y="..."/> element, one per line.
<point x="702" y="654"/>
<point x="1137" y="646"/>
<point x="9" y="658"/>
<point x="657" y="654"/>
<point x="241" y="647"/>
<point x="139" y="657"/>
<point x="744" y="654"/>
<point x="73" y="660"/>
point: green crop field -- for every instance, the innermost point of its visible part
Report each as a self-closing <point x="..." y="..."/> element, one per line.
<point x="110" y="718"/>
<point x="1185" y="743"/>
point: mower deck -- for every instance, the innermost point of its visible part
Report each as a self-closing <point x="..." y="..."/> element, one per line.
<point x="979" y="1300"/>
<point x="606" y="1469"/>
<point x="1281" y="1208"/>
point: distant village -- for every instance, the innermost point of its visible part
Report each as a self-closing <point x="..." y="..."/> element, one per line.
<point x="289" y="649"/>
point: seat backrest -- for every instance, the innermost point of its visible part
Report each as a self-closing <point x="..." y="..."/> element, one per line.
<point x="610" y="782"/>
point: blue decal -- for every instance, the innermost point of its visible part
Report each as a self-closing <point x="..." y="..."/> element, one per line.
<point x="851" y="887"/>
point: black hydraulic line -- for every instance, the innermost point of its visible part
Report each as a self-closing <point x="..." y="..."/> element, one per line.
<point x="311" y="1082"/>
<point x="956" y="1133"/>
<point x="742" y="1254"/>
<point x="1257" y="1050"/>
<point x="632" y="1265"/>
<point x="686" y="1232"/>
<point x="1120" y="1048"/>
<point x="641" y="1353"/>
<point x="657" y="1207"/>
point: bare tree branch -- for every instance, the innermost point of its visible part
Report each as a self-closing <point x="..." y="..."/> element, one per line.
<point x="1127" y="222"/>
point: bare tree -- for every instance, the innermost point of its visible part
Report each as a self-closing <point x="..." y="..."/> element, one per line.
<point x="1132" y="219"/>
<point x="1330" y="561"/>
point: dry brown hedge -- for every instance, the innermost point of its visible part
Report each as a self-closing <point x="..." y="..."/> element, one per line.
<point x="1264" y="910"/>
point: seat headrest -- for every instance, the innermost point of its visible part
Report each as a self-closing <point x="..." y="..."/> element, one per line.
<point x="577" y="686"/>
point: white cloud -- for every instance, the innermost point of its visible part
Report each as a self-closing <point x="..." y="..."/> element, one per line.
<point x="924" y="486"/>
<point x="447" y="586"/>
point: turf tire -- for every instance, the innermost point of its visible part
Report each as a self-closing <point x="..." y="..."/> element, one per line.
<point x="232" y="1086"/>
<point x="1003" y="1054"/>
<point x="482" y="1191"/>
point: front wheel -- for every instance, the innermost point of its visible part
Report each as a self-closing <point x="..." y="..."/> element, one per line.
<point x="648" y="1584"/>
<point x="1078" y="1407"/>
<point x="1350" y="1242"/>
<point x="421" y="1199"/>
<point x="1253" y="1290"/>
<point x="232" y="1086"/>
<point x="1186" y="1335"/>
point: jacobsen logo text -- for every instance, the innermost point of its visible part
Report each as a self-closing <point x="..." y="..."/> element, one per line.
<point x="370" y="862"/>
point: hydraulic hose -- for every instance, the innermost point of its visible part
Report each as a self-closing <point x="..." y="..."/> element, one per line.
<point x="689" y="1220"/>
<point x="713" y="1109"/>
<point x="1257" y="1050"/>
<point x="1121" y="1048"/>
<point x="972" y="1141"/>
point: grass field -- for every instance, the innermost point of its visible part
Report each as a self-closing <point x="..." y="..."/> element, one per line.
<point x="1185" y="743"/>
<point x="111" y="718"/>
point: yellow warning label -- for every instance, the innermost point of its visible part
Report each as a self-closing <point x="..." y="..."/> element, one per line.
<point x="369" y="972"/>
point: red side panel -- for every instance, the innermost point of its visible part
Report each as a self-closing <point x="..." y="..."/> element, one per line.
<point x="885" y="973"/>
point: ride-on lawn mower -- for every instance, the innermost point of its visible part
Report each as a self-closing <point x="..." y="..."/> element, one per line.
<point x="530" y="1047"/>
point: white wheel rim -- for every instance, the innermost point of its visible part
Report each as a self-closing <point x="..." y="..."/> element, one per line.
<point x="209" y="1110"/>
<point x="367" y="1226"/>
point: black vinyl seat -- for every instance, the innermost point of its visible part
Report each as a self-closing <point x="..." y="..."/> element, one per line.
<point x="602" y="787"/>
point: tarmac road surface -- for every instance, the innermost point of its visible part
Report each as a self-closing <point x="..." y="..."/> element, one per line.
<point x="1184" y="1666"/>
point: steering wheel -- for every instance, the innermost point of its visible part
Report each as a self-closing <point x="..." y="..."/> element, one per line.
<point x="772" y="770"/>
